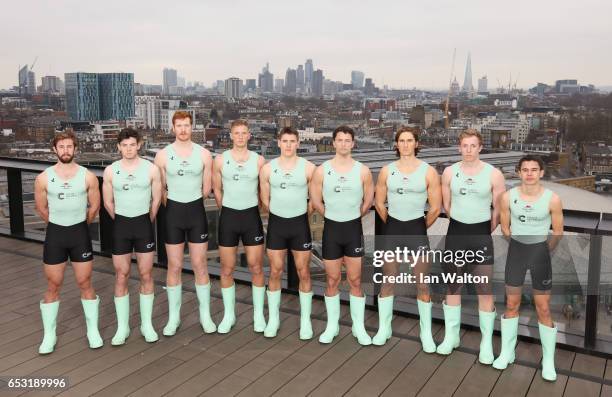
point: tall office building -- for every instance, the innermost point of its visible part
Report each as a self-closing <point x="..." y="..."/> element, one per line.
<point x="99" y="96"/>
<point x="27" y="81"/>
<point x="266" y="79"/>
<point x="290" y="81"/>
<point x="482" y="85"/>
<point x="308" y="69"/>
<point x="82" y="96"/>
<point x="233" y="87"/>
<point x="279" y="85"/>
<point x="170" y="79"/>
<point x="300" y="78"/>
<point x="116" y="92"/>
<point x="357" y="78"/>
<point x="317" y="82"/>
<point x="250" y="85"/>
<point x="467" y="81"/>
<point x="52" y="84"/>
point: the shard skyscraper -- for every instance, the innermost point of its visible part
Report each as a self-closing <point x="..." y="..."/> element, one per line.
<point x="467" y="82"/>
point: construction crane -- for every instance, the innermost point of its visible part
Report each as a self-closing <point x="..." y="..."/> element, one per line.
<point x="450" y="83"/>
<point x="34" y="63"/>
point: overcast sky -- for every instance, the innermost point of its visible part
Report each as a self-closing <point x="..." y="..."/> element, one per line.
<point x="399" y="43"/>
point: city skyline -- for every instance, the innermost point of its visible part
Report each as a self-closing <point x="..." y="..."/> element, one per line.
<point x="409" y="47"/>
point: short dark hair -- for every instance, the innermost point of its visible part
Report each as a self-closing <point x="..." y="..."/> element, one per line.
<point x="343" y="128"/>
<point x="531" y="157"/>
<point x="65" y="135"/>
<point x="290" y="131"/>
<point x="415" y="134"/>
<point x="128" y="133"/>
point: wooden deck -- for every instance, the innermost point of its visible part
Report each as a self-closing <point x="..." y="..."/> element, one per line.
<point x="243" y="362"/>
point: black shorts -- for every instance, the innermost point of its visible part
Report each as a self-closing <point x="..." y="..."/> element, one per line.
<point x="342" y="239"/>
<point x="133" y="234"/>
<point x="471" y="245"/>
<point x="411" y="235"/>
<point x="532" y="257"/>
<point x="236" y="225"/>
<point x="186" y="219"/>
<point x="63" y="242"/>
<point x="288" y="233"/>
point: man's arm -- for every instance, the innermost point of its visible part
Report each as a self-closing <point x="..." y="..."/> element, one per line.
<point x="93" y="196"/>
<point x="368" y="189"/>
<point x="156" y="192"/>
<point x="316" y="190"/>
<point x="434" y="196"/>
<point x="207" y="174"/>
<point x="498" y="188"/>
<point x="217" y="180"/>
<point x="381" y="193"/>
<point x="107" y="191"/>
<point x="160" y="162"/>
<point x="310" y="169"/>
<point x="446" y="190"/>
<point x="264" y="187"/>
<point x="504" y="213"/>
<point x="556" y="215"/>
<point x="40" y="196"/>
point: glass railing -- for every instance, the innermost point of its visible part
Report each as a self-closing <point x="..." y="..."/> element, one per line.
<point x="581" y="301"/>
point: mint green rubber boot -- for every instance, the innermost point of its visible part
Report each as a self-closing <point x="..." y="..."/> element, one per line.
<point x="427" y="341"/>
<point x="385" y="317"/>
<point x="305" y="311"/>
<point x="259" y="321"/>
<point x="332" y="329"/>
<point x="548" y="337"/>
<point x="122" y="307"/>
<point x="229" y="302"/>
<point x="274" y="299"/>
<point x="357" y="313"/>
<point x="90" y="308"/>
<point x="175" y="297"/>
<point x="203" y="293"/>
<point x="146" y="314"/>
<point x="487" y="322"/>
<point x="509" y="330"/>
<point x="452" y="327"/>
<point x="48" y="312"/>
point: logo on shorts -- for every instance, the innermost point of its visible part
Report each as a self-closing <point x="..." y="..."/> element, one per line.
<point x="150" y="245"/>
<point x="203" y="236"/>
<point x="307" y="245"/>
<point x="258" y="238"/>
<point x="86" y="254"/>
<point x="358" y="250"/>
<point x="546" y="282"/>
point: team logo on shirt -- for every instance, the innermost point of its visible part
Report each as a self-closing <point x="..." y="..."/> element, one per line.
<point x="126" y="186"/>
<point x="52" y="179"/>
<point x="528" y="208"/>
<point x="463" y="191"/>
<point x="283" y="185"/>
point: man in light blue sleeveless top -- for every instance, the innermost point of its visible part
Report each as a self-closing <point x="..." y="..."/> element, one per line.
<point x="407" y="185"/>
<point x="526" y="215"/>
<point x="342" y="191"/>
<point x="186" y="170"/>
<point x="236" y="187"/>
<point x="132" y="195"/>
<point x="469" y="189"/>
<point x="67" y="199"/>
<point x="284" y="191"/>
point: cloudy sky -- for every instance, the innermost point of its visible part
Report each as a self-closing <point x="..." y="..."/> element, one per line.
<point x="399" y="43"/>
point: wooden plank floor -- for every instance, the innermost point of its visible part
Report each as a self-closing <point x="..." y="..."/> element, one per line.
<point x="244" y="362"/>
